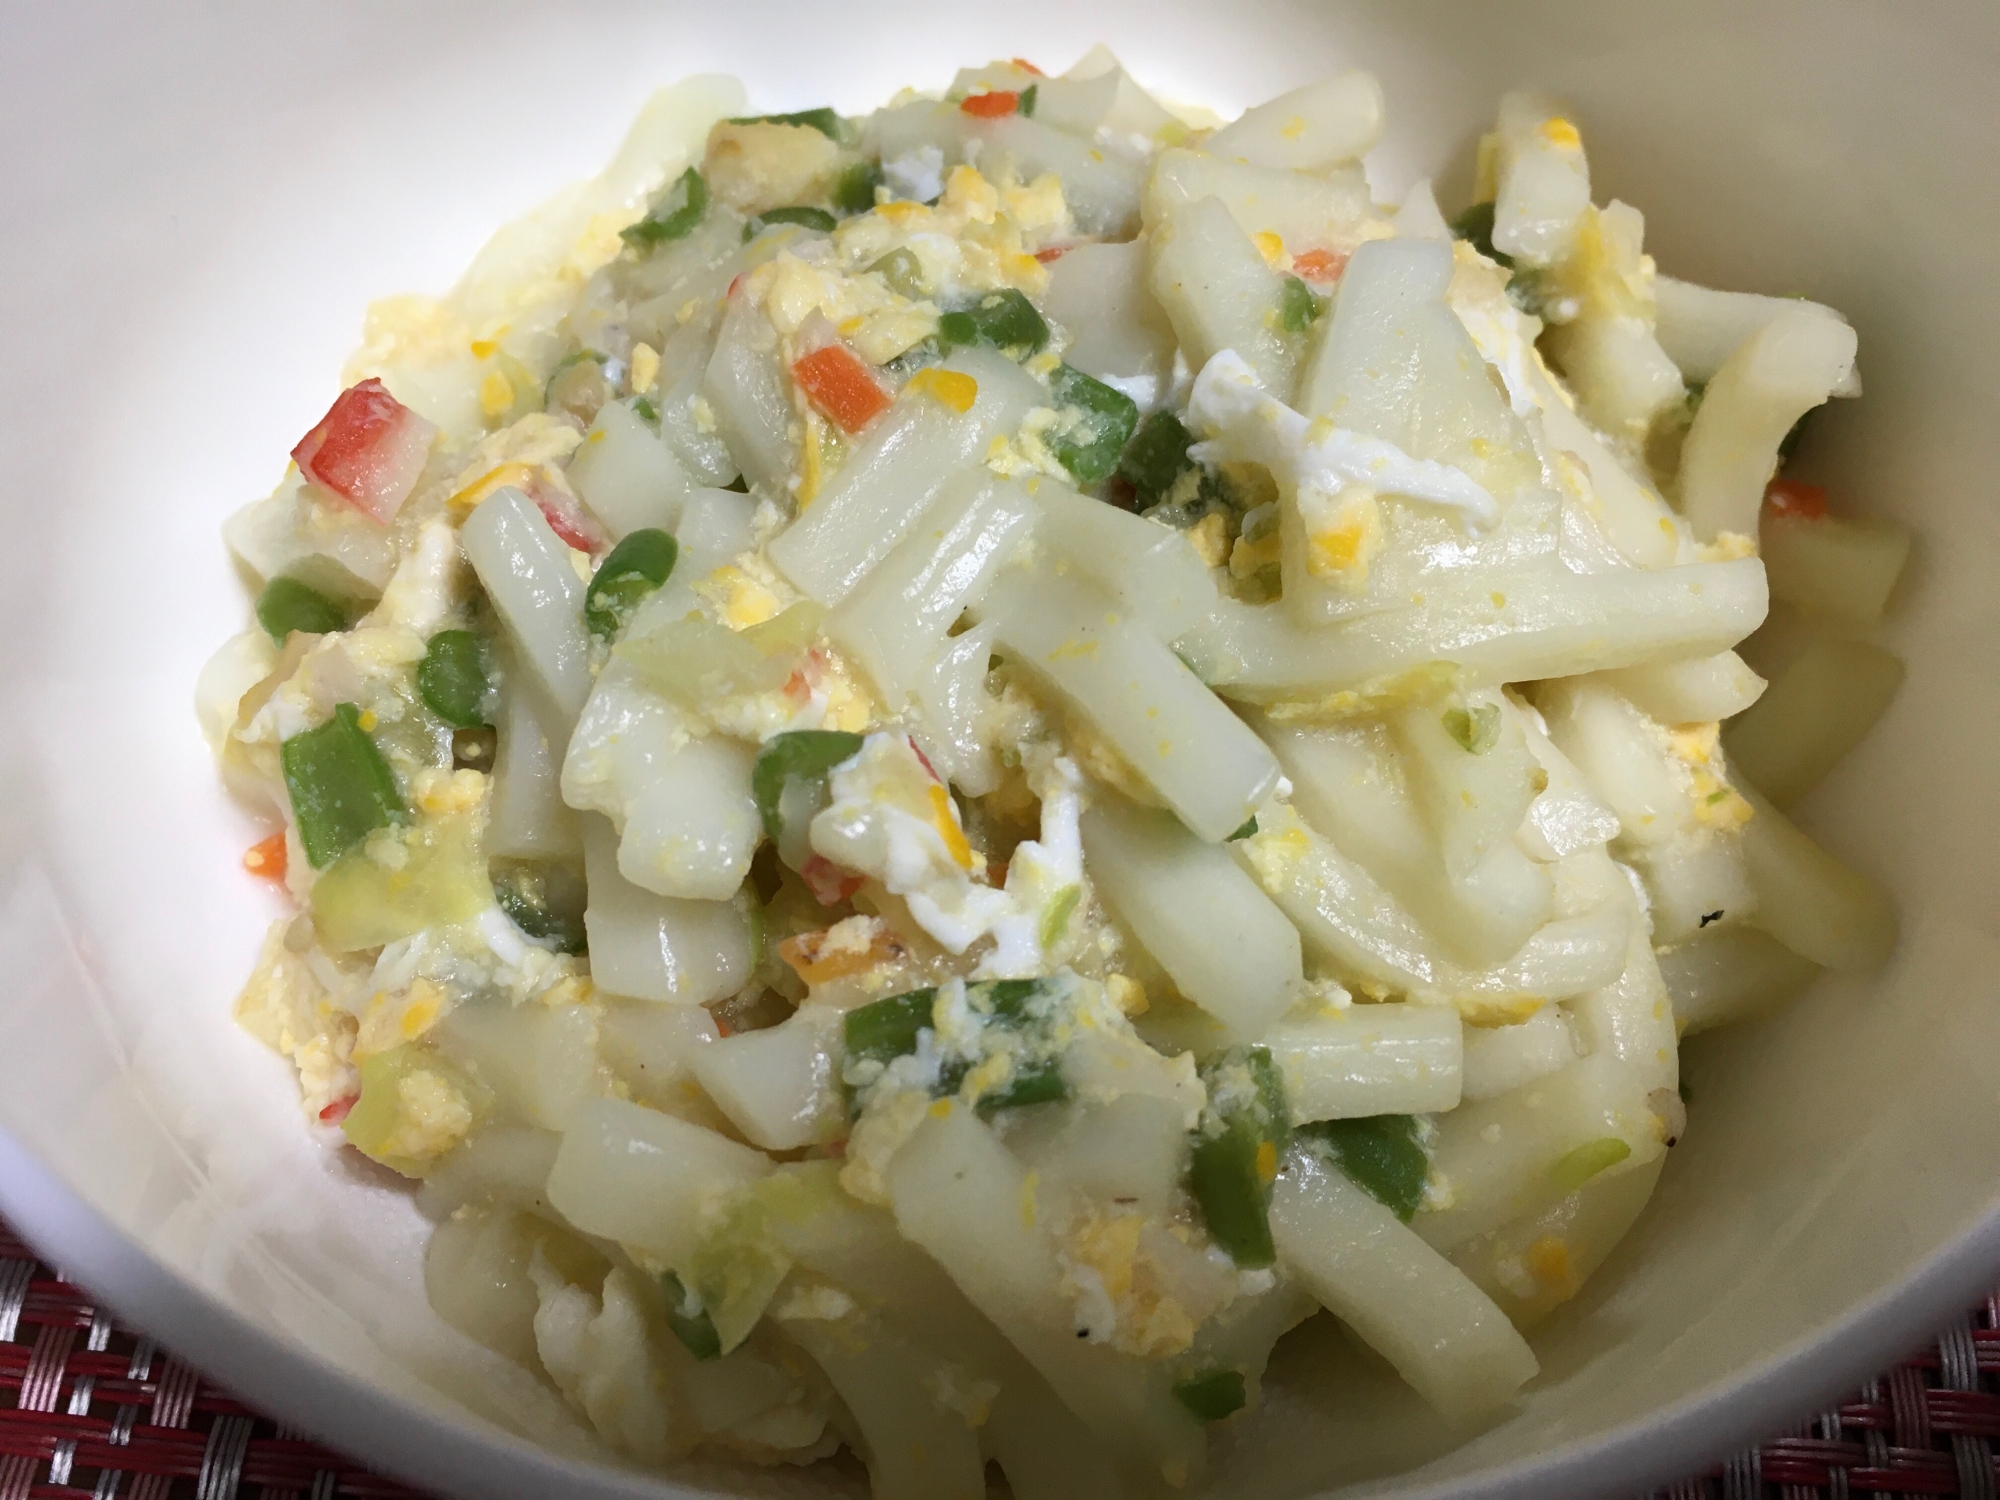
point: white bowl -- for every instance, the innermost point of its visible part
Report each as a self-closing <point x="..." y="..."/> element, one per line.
<point x="201" y="202"/>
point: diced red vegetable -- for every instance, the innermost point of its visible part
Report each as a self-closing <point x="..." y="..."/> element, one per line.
<point x="830" y="883"/>
<point x="840" y="385"/>
<point x="996" y="105"/>
<point x="918" y="751"/>
<point x="566" y="518"/>
<point x="339" y="1110"/>
<point x="1319" y="265"/>
<point x="1053" y="253"/>
<point x="368" y="449"/>
<point x="1787" y="497"/>
<point x="266" y="857"/>
<point x="1027" y="67"/>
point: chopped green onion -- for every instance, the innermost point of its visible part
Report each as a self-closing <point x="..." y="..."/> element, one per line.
<point x="1587" y="1160"/>
<point x="691" y="1325"/>
<point x="630" y="571"/>
<point x="286" y="605"/>
<point x="1476" y="730"/>
<point x="805" y="218"/>
<point x="1004" y="320"/>
<point x="522" y="892"/>
<point x="1024" y="103"/>
<point x="1212" y="1395"/>
<point x="887" y="1029"/>
<point x="451" y="679"/>
<point x="1298" y="308"/>
<point x="1475" y="227"/>
<point x="1526" y="289"/>
<point x="646" y="411"/>
<point x="800" y="755"/>
<point x="1157" y="455"/>
<point x="1008" y="1001"/>
<point x="1247" y="830"/>
<point x="1235" y="1158"/>
<point x="1096" y="423"/>
<point x="823" y="119"/>
<point x="903" y="271"/>
<point x="341" y="788"/>
<point x="1383" y="1155"/>
<point x="854" y="189"/>
<point x="674" y="217"/>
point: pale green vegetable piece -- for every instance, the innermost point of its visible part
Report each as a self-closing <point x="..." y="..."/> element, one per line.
<point x="526" y="572"/>
<point x="958" y="1195"/>
<point x="1693" y="691"/>
<point x="1817" y="710"/>
<point x="1407" y="1302"/>
<point x="895" y="472"/>
<point x="1499" y="1059"/>
<point x="1201" y="759"/>
<point x="1219" y="293"/>
<point x="439" y="878"/>
<point x="779" y="1086"/>
<point x="1205" y="921"/>
<point x="626" y="476"/>
<point x="1727" y="974"/>
<point x="1778" y="374"/>
<point x="1808" y="900"/>
<point x="897" y="618"/>
<point x="1338" y="119"/>
<point x="540" y="1061"/>
<point x="1700" y="327"/>
<point x="1846" y="569"/>
<point x="1400" y="1059"/>
<point x="1542" y="181"/>
<point x="644" y="1178"/>
<point x="651" y="947"/>
<point x="1497" y="1157"/>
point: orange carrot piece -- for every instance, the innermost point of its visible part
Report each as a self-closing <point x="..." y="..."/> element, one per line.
<point x="1319" y="265"/>
<point x="841" y="386"/>
<point x="1787" y="497"/>
<point x="266" y="857"/>
<point x="994" y="106"/>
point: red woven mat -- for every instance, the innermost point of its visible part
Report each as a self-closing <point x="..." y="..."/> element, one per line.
<point x="99" y="1412"/>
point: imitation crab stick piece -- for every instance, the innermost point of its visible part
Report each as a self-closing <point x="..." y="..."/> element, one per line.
<point x="368" y="449"/>
<point x="841" y="386"/>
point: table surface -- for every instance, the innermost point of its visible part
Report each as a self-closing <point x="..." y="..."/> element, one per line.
<point x="100" y="1412"/>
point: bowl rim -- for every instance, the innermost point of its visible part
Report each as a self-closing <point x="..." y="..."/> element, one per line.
<point x="477" y="1460"/>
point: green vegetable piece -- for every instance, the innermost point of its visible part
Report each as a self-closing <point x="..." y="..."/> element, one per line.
<point x="647" y="412"/>
<point x="801" y="755"/>
<point x="451" y="679"/>
<point x="1040" y="1083"/>
<point x="523" y="892"/>
<point x="1236" y="1150"/>
<point x="1475" y="226"/>
<point x="341" y="787"/>
<point x="287" y="605"/>
<point x="854" y="189"/>
<point x="1157" y="455"/>
<point x="1055" y="919"/>
<point x="1526" y="289"/>
<point x="1383" y="1155"/>
<point x="1298" y="308"/>
<point x="903" y="271"/>
<point x="1249" y="828"/>
<point x="691" y="1325"/>
<point x="1587" y="1160"/>
<point x="371" y="1125"/>
<point x="630" y="571"/>
<point x="887" y="1029"/>
<point x="1094" y="424"/>
<point x="823" y="119"/>
<point x="1004" y="320"/>
<point x="1024" y="104"/>
<point x="805" y="218"/>
<point x="675" y="216"/>
<point x="1213" y="1394"/>
<point x="1476" y="730"/>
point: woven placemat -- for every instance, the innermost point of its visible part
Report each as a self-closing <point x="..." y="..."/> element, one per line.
<point x="99" y="1412"/>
